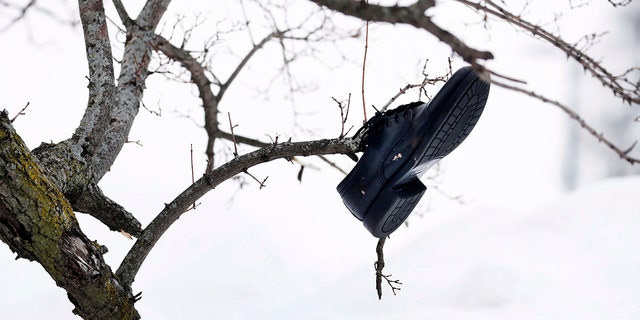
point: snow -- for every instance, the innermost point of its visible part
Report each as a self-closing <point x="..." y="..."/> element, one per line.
<point x="574" y="258"/>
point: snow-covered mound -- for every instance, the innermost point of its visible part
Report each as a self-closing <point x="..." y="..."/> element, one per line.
<point x="577" y="258"/>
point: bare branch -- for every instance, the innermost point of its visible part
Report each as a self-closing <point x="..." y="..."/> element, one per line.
<point x="620" y="86"/>
<point x="378" y="266"/>
<point x="172" y="211"/>
<point x="198" y="76"/>
<point x="193" y="177"/>
<point x="75" y="163"/>
<point x="624" y="154"/>
<point x="102" y="87"/>
<point x="20" y="113"/>
<point x="364" y="67"/>
<point x="224" y="86"/>
<point x="421" y="86"/>
<point x="261" y="183"/>
<point x="242" y="139"/>
<point x="131" y="85"/>
<point x="151" y="13"/>
<point x="122" y="13"/>
<point x="93" y="201"/>
<point x="198" y="73"/>
<point x="619" y="3"/>
<point x="344" y="115"/>
<point x="411" y="15"/>
<point x="38" y="223"/>
<point x="260" y="144"/>
<point x="32" y="6"/>
<point x="330" y="163"/>
<point x="22" y="13"/>
<point x="235" y="144"/>
<point x="210" y="101"/>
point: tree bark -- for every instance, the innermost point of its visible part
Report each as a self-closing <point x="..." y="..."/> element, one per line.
<point x="38" y="223"/>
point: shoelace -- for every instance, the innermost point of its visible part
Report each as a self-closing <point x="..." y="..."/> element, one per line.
<point x="380" y="119"/>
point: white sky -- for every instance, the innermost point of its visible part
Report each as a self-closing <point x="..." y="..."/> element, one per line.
<point x="292" y="249"/>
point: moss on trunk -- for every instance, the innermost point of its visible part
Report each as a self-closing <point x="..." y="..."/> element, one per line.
<point x="38" y="223"/>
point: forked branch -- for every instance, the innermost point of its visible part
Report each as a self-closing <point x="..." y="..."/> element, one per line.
<point x="624" y="154"/>
<point x="620" y="85"/>
<point x="413" y="15"/>
<point x="379" y="265"/>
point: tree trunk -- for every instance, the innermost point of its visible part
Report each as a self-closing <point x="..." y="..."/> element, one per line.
<point x="38" y="223"/>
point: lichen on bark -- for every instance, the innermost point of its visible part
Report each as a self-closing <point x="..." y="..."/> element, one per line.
<point x="38" y="223"/>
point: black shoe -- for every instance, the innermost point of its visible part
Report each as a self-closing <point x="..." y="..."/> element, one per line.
<point x="401" y="144"/>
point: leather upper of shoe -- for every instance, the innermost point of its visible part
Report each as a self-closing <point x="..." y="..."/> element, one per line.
<point x="387" y="145"/>
<point x="393" y="139"/>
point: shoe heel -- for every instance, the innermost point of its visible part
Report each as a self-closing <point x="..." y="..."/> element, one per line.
<point x="392" y="209"/>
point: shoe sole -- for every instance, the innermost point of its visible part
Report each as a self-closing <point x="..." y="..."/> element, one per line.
<point x="402" y="192"/>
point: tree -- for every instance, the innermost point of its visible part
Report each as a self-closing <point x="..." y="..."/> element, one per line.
<point x="41" y="189"/>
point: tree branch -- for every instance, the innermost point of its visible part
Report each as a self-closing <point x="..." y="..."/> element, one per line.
<point x="22" y="13"/>
<point x="69" y="164"/>
<point x="198" y="77"/>
<point x="210" y="101"/>
<point x="92" y="201"/>
<point x="102" y="88"/>
<point x="151" y="14"/>
<point x="624" y="154"/>
<point x="37" y="222"/>
<point x="412" y="15"/>
<point x="245" y="60"/>
<point x="378" y="266"/>
<point x="131" y="85"/>
<point x="259" y="144"/>
<point x="122" y="13"/>
<point x="620" y="86"/>
<point x="172" y="211"/>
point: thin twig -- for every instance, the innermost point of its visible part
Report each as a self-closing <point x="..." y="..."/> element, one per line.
<point x="260" y="144"/>
<point x="403" y="91"/>
<point x="344" y="115"/>
<point x="457" y="198"/>
<point x="23" y="13"/>
<point x="193" y="177"/>
<point x="625" y="89"/>
<point x="138" y="142"/>
<point x="364" y="67"/>
<point x="173" y="210"/>
<point x="624" y="154"/>
<point x="122" y="13"/>
<point x="332" y="164"/>
<point x="20" y="113"/>
<point x="425" y="81"/>
<point x="412" y="15"/>
<point x="233" y="136"/>
<point x="379" y="265"/>
<point x="261" y="183"/>
<point x="235" y="152"/>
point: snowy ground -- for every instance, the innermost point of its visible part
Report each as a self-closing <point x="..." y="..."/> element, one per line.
<point x="575" y="258"/>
